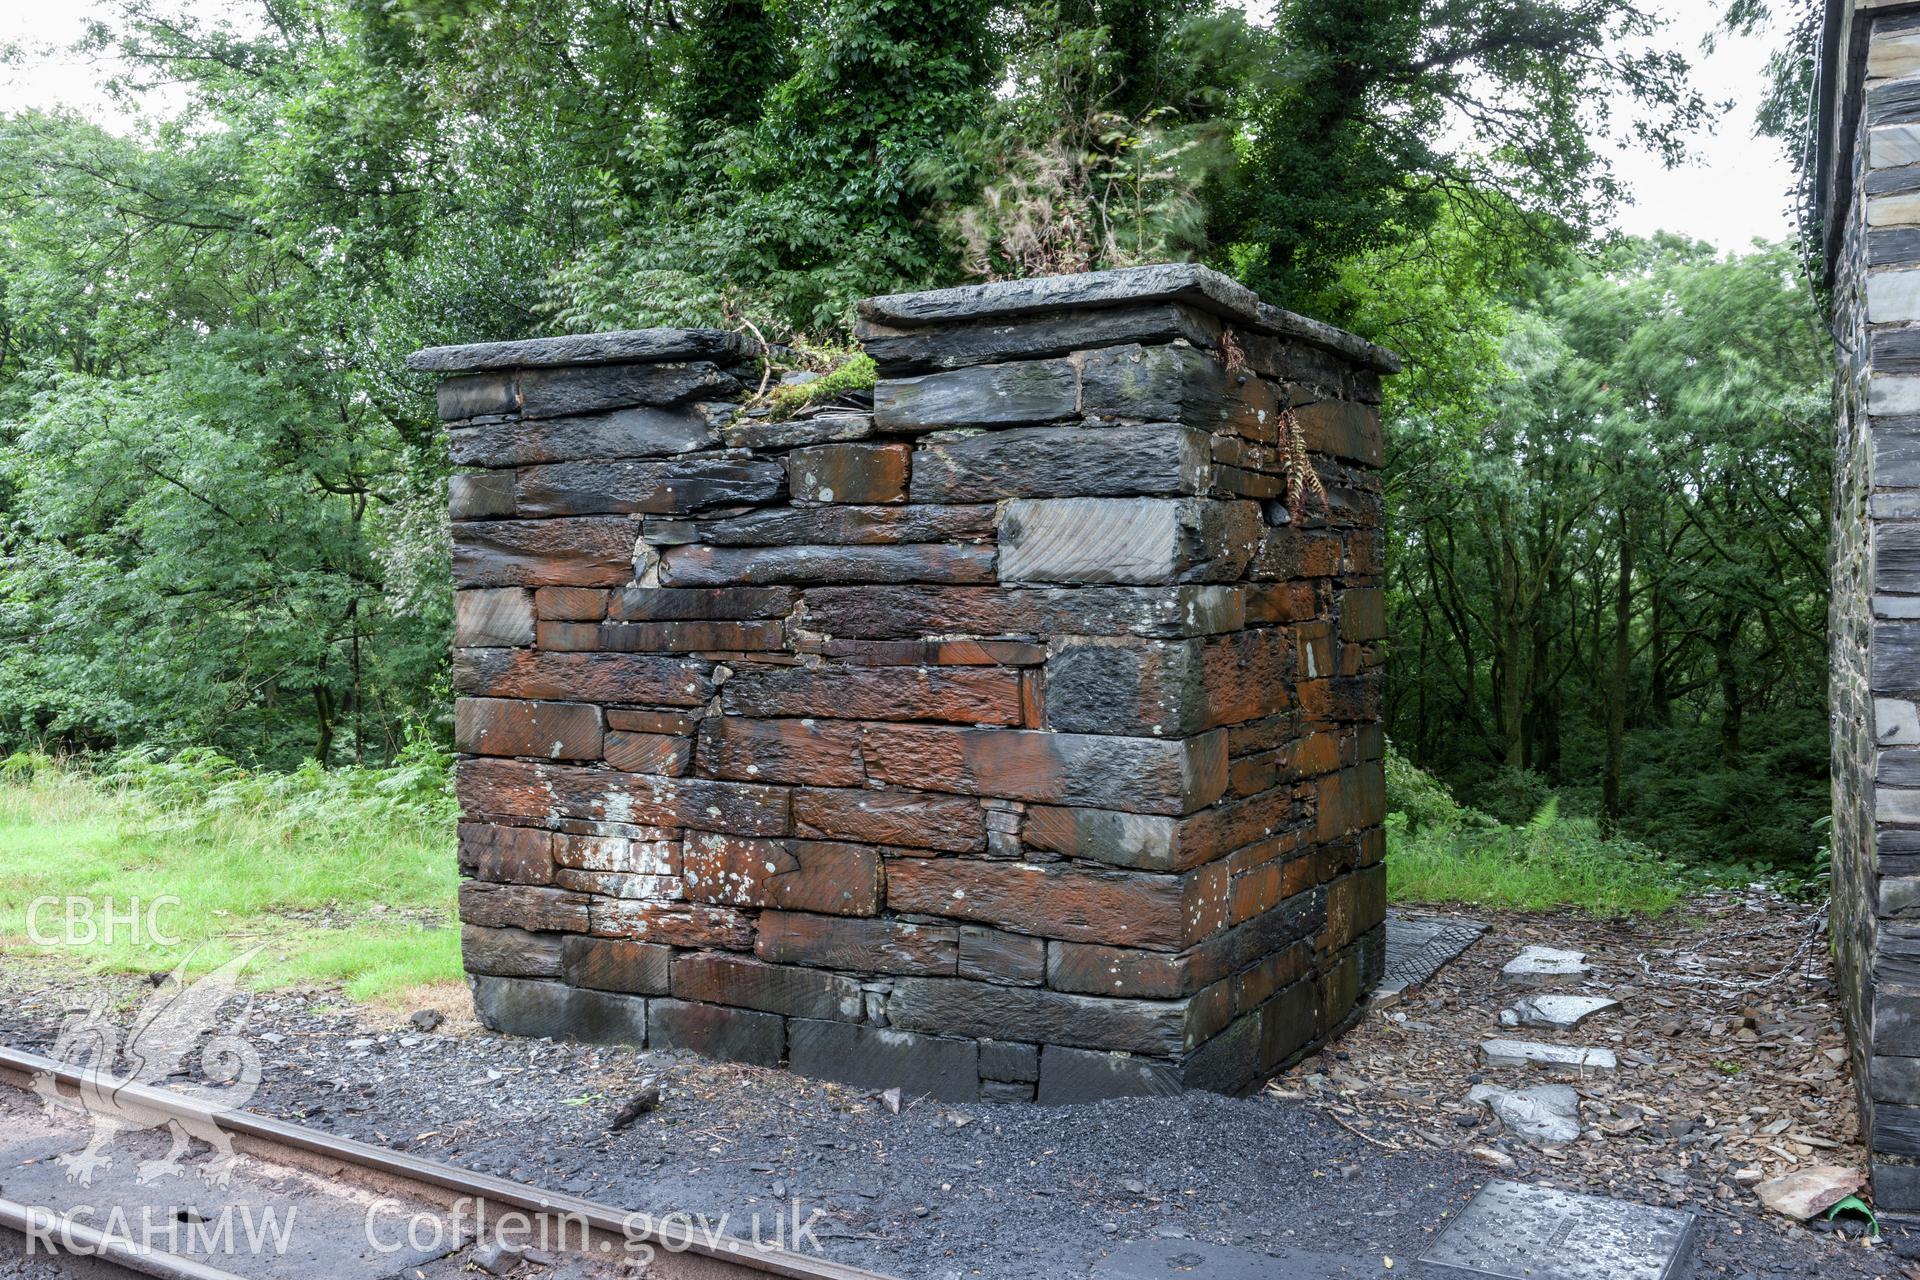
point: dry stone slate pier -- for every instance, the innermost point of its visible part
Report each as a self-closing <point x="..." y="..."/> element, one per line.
<point x="1869" y="197"/>
<point x="1015" y="739"/>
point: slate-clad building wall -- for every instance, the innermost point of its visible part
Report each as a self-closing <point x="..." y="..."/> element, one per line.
<point x="1017" y="738"/>
<point x="1869" y="192"/>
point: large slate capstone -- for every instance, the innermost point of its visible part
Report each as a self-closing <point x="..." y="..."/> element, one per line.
<point x="1013" y="741"/>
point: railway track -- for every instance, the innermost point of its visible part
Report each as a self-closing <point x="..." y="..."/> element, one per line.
<point x="337" y="1207"/>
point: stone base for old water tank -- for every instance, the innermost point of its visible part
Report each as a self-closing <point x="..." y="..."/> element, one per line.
<point x="1017" y="736"/>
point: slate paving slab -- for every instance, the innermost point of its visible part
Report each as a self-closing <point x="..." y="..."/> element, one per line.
<point x="1548" y="1057"/>
<point x="1555" y="1012"/>
<point x="1519" y="1232"/>
<point x="1541" y="965"/>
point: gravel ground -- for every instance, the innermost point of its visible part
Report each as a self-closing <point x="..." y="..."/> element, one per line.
<point x="933" y="1191"/>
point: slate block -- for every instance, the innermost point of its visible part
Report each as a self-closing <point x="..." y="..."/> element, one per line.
<point x="1148" y="775"/>
<point x="961" y="695"/>
<point x="674" y="924"/>
<point x="1009" y="1060"/>
<point x="1154" y="384"/>
<point x="1069" y="1075"/>
<point x="891" y="816"/>
<point x="641" y="432"/>
<point x="547" y="730"/>
<point x="717" y="1031"/>
<point x="850" y="473"/>
<point x="857" y="945"/>
<point x="1062" y="462"/>
<point x="477" y="395"/>
<point x="792" y="875"/>
<point x="555" y="1011"/>
<point x="570" y="604"/>
<point x="991" y="955"/>
<point x="824" y="428"/>
<point x="821" y="752"/>
<point x="881" y="1058"/>
<point x="515" y="855"/>
<point x="955" y="346"/>
<point x="588" y="552"/>
<point x="510" y="953"/>
<point x="581" y="677"/>
<point x="522" y="906"/>
<point x="915" y="612"/>
<point x="1125" y="540"/>
<point x="984" y="395"/>
<point x="727" y="603"/>
<point x="670" y="487"/>
<point x="648" y="753"/>
<point x="955" y="1006"/>
<point x="562" y="391"/>
<point x="850" y="526"/>
<point x="614" y="347"/>
<point x="497" y="617"/>
<point x="479" y="497"/>
<point x="520" y="788"/>
<point x="1002" y="1091"/>
<point x="907" y="562"/>
<point x="753" y="984"/>
<point x="613" y="964"/>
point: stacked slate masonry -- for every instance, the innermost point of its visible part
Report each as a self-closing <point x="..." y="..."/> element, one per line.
<point x="1017" y="739"/>
<point x="1870" y="202"/>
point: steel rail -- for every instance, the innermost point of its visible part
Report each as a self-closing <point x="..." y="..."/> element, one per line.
<point x="62" y="1234"/>
<point x="735" y="1256"/>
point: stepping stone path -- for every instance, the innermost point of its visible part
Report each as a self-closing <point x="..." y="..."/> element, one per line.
<point x="1541" y="966"/>
<point x="1555" y="1012"/>
<point x="1543" y="1114"/>
<point x="1550" y="1057"/>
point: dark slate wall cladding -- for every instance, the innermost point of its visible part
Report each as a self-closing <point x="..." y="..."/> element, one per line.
<point x="1013" y="740"/>
<point x="1875" y="609"/>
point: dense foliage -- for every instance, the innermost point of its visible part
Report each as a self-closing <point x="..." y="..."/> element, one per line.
<point x="1614" y="584"/>
<point x="221" y="497"/>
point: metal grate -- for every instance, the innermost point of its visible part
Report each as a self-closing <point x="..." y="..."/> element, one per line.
<point x="1417" y="947"/>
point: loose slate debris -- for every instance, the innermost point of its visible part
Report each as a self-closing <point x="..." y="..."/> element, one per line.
<point x="1538" y="965"/>
<point x="1538" y="1233"/>
<point x="1555" y="1012"/>
<point x="1543" y="1115"/>
<point x="1548" y="1057"/>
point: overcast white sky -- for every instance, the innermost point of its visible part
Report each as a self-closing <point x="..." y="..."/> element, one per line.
<point x="1733" y="190"/>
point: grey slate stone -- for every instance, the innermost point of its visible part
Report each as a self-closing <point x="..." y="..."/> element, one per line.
<point x="1009" y="1060"/>
<point x="1541" y="965"/>
<point x="642" y="431"/>
<point x="996" y="395"/>
<point x="477" y="396"/>
<point x="1543" y="1114"/>
<point x="618" y="346"/>
<point x="1548" y="1057"/>
<point x="479" y="497"/>
<point x="664" y="487"/>
<point x="881" y="1058"/>
<point x="1185" y="282"/>
<point x="1062" y="462"/>
<point x="1556" y="1012"/>
<point x="1069" y="1075"/>
<point x="899" y="351"/>
<point x="525" y="1007"/>
<point x="557" y="393"/>
<point x="718" y="1031"/>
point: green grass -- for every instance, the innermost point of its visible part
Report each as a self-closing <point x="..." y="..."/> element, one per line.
<point x="1441" y="852"/>
<point x="348" y="875"/>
